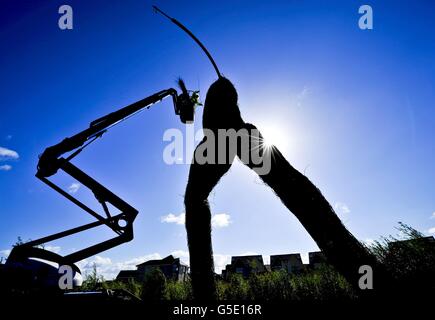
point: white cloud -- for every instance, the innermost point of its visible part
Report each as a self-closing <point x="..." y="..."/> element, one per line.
<point x="55" y="249"/>
<point x="305" y="91"/>
<point x="5" y="253"/>
<point x="132" y="263"/>
<point x="183" y="255"/>
<point x="433" y="215"/>
<point x="5" y="167"/>
<point x="431" y="230"/>
<point x="7" y="154"/>
<point x="74" y="187"/>
<point x="220" y="261"/>
<point x="180" y="254"/>
<point x="342" y="209"/>
<point x="102" y="261"/>
<point x="109" y="269"/>
<point x="172" y="218"/>
<point x="302" y="95"/>
<point x="104" y="267"/>
<point x="219" y="220"/>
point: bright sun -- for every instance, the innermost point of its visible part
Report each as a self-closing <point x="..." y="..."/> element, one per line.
<point x="274" y="136"/>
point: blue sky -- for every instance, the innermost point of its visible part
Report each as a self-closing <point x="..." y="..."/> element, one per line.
<point x="355" y="108"/>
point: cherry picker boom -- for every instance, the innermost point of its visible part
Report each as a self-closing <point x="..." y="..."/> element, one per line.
<point x="23" y="259"/>
<point x="52" y="160"/>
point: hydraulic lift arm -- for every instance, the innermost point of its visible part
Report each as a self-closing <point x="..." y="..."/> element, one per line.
<point x="52" y="160"/>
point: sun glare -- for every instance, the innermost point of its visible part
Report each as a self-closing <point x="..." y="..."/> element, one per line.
<point x="274" y="136"/>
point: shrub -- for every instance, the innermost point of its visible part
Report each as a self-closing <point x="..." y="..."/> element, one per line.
<point x="93" y="281"/>
<point x="409" y="258"/>
<point x="131" y="286"/>
<point x="270" y="286"/>
<point x="176" y="290"/>
<point x="236" y="288"/>
<point x="154" y="285"/>
<point x="323" y="284"/>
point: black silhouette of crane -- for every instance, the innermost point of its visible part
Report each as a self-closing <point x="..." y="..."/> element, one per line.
<point x="59" y="156"/>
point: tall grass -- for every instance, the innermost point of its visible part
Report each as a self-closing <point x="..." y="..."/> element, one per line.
<point x="324" y="284"/>
<point x="409" y="259"/>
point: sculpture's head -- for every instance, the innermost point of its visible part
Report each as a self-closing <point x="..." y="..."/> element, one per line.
<point x="221" y="109"/>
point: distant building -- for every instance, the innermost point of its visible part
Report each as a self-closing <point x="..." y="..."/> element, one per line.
<point x="316" y="259"/>
<point x="244" y="265"/>
<point x="171" y="267"/>
<point x="292" y="263"/>
<point x="126" y="275"/>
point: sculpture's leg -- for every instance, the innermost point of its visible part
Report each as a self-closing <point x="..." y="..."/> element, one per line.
<point x="202" y="179"/>
<point x="308" y="204"/>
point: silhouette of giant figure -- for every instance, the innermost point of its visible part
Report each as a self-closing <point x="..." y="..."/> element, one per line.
<point x="296" y="191"/>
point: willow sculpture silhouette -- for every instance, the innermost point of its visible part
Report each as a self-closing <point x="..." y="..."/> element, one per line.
<point x="296" y="191"/>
